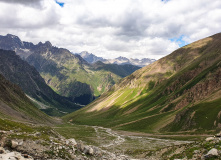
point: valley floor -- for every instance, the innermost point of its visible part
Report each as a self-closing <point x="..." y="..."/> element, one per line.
<point x="130" y="144"/>
<point x="82" y="142"/>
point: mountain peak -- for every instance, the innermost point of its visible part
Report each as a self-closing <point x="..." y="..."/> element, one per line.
<point x="12" y="36"/>
<point x="48" y="44"/>
<point x="10" y="42"/>
<point x="89" y="57"/>
<point x="85" y="53"/>
<point x="122" y="58"/>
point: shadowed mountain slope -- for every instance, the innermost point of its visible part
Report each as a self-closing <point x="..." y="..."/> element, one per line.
<point x="14" y="69"/>
<point x="67" y="74"/>
<point x="180" y="92"/>
<point x="15" y="105"/>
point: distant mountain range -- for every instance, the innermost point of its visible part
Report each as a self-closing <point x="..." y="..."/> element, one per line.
<point x="67" y="74"/>
<point x="180" y="92"/>
<point x="91" y="58"/>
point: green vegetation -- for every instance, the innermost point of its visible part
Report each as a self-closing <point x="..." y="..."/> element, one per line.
<point x="30" y="81"/>
<point x="183" y="96"/>
<point x="71" y="76"/>
<point x="28" y="130"/>
<point x="15" y="105"/>
<point x="79" y="132"/>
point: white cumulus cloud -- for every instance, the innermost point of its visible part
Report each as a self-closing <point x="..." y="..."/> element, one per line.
<point x="112" y="28"/>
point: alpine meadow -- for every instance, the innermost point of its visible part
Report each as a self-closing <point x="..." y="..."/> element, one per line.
<point x="110" y="80"/>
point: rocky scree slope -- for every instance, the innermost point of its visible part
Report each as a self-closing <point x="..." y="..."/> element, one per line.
<point x="67" y="74"/>
<point x="180" y="92"/>
<point x="14" y="69"/>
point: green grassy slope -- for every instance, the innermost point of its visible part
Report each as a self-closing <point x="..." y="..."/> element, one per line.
<point x="14" y="69"/>
<point x="71" y="76"/>
<point x="14" y="105"/>
<point x="180" y="92"/>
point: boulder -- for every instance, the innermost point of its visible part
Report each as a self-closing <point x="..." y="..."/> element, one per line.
<point x="73" y="142"/>
<point x="210" y="139"/>
<point x="14" y="144"/>
<point x="213" y="152"/>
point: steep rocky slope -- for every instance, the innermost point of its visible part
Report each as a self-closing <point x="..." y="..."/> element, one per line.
<point x="15" y="105"/>
<point x="180" y="92"/>
<point x="21" y="73"/>
<point x="67" y="74"/>
<point x="71" y="76"/>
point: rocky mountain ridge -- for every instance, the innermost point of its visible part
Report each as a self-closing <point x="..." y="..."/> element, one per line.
<point x="26" y="76"/>
<point x="91" y="58"/>
<point x="178" y="95"/>
<point x="175" y="93"/>
<point x="67" y="74"/>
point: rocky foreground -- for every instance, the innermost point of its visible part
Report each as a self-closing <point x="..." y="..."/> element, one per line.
<point x="17" y="145"/>
<point x="207" y="149"/>
<point x="56" y="147"/>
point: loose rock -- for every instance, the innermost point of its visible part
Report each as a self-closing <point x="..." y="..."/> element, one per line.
<point x="14" y="144"/>
<point x="213" y="152"/>
<point x="209" y="139"/>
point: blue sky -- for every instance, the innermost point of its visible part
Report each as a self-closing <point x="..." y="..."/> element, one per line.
<point x="60" y="3"/>
<point x="179" y="40"/>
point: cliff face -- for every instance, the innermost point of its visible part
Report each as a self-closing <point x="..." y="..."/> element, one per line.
<point x="27" y="77"/>
<point x="174" y="93"/>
